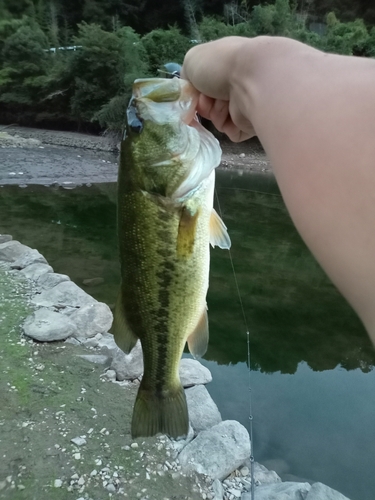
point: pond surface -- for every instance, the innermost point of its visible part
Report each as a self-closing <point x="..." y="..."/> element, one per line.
<point x="312" y="377"/>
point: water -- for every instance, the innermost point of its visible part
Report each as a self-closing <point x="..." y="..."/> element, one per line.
<point x="312" y="363"/>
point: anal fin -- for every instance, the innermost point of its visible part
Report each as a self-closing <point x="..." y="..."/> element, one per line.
<point x="218" y="232"/>
<point x="198" y="339"/>
<point x="125" y="338"/>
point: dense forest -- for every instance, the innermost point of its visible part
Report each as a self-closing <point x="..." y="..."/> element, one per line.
<point x="71" y="63"/>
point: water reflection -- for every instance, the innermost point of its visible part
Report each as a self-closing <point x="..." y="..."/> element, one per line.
<point x="311" y="359"/>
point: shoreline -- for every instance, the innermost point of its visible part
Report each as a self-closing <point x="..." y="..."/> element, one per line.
<point x="39" y="156"/>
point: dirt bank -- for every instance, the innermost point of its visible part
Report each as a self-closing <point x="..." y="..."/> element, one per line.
<point x="37" y="156"/>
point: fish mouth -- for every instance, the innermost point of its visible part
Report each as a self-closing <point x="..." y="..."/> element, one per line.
<point x="162" y="100"/>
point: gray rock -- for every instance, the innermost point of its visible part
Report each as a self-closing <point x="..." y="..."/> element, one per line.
<point x="79" y="441"/>
<point x="203" y="412"/>
<point x="65" y="294"/>
<point x="192" y="372"/>
<point x="92" y="319"/>
<point x="320" y="491"/>
<point x="218" y="451"/>
<point x="49" y="280"/>
<point x="35" y="271"/>
<point x="128" y="366"/>
<point x="93" y="281"/>
<point x="99" y="359"/>
<point x="264" y="476"/>
<point x="31" y="257"/>
<point x="46" y="326"/>
<point x="218" y="490"/>
<point x="107" y="344"/>
<point x="180" y="443"/>
<point x="281" y="491"/>
<point x="4" y="238"/>
<point x="12" y="250"/>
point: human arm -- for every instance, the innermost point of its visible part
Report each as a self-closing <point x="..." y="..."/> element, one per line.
<point x="314" y="113"/>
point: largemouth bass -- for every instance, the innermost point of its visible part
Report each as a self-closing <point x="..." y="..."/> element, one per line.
<point x="166" y="222"/>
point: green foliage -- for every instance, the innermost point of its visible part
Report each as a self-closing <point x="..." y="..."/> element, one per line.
<point x="274" y="19"/>
<point x="211" y="29"/>
<point x="95" y="68"/>
<point x="164" y="46"/>
<point x="26" y="61"/>
<point x="345" y="38"/>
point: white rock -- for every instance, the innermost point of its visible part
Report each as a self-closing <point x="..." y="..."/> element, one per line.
<point x="218" y="451"/>
<point x="192" y="372"/>
<point x="280" y="491"/>
<point x="65" y="294"/>
<point x="4" y="238"/>
<point x="92" y="319"/>
<point x="179" y="444"/>
<point x="264" y="476"/>
<point x="203" y="412"/>
<point x="50" y="280"/>
<point x="99" y="359"/>
<point x="46" y="326"/>
<point x="319" y="491"/>
<point x="110" y="375"/>
<point x="242" y="155"/>
<point x="78" y="441"/>
<point x="218" y="490"/>
<point x="57" y="483"/>
<point x="31" y="257"/>
<point x="128" y="366"/>
<point x="34" y="271"/>
<point x="12" y="250"/>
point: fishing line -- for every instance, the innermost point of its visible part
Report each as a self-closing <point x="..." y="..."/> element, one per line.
<point x="248" y="361"/>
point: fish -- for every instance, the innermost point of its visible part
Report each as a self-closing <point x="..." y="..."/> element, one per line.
<point x="166" y="222"/>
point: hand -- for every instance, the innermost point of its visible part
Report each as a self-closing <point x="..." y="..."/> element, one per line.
<point x="211" y="68"/>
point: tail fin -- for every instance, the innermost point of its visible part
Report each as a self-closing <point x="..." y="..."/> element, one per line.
<point x="166" y="413"/>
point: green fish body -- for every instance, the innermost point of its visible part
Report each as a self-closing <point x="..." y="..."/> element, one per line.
<point x="165" y="224"/>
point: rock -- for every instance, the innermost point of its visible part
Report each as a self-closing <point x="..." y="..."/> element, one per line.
<point x="180" y="443"/>
<point x="319" y="491"/>
<point x="242" y="155"/>
<point x="78" y="441"/>
<point x="128" y="366"/>
<point x="34" y="271"/>
<point x="50" y="280"/>
<point x="192" y="372"/>
<point x="28" y="258"/>
<point x="92" y="319"/>
<point x="57" y="483"/>
<point x="218" y="490"/>
<point x="46" y="326"/>
<point x="218" y="451"/>
<point x="264" y="476"/>
<point x="203" y="412"/>
<point x="12" y="250"/>
<point x="65" y="294"/>
<point x="99" y="359"/>
<point x="107" y="344"/>
<point x="281" y="491"/>
<point x="93" y="281"/>
<point x="4" y="238"/>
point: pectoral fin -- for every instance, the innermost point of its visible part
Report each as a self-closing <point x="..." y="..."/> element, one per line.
<point x="218" y="232"/>
<point x="186" y="232"/>
<point x="198" y="339"/>
<point x="125" y="338"/>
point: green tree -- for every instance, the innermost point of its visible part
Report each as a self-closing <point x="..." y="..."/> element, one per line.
<point x="95" y="68"/>
<point x="133" y="64"/>
<point x="164" y="46"/>
<point x="26" y="61"/>
<point x="345" y="38"/>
